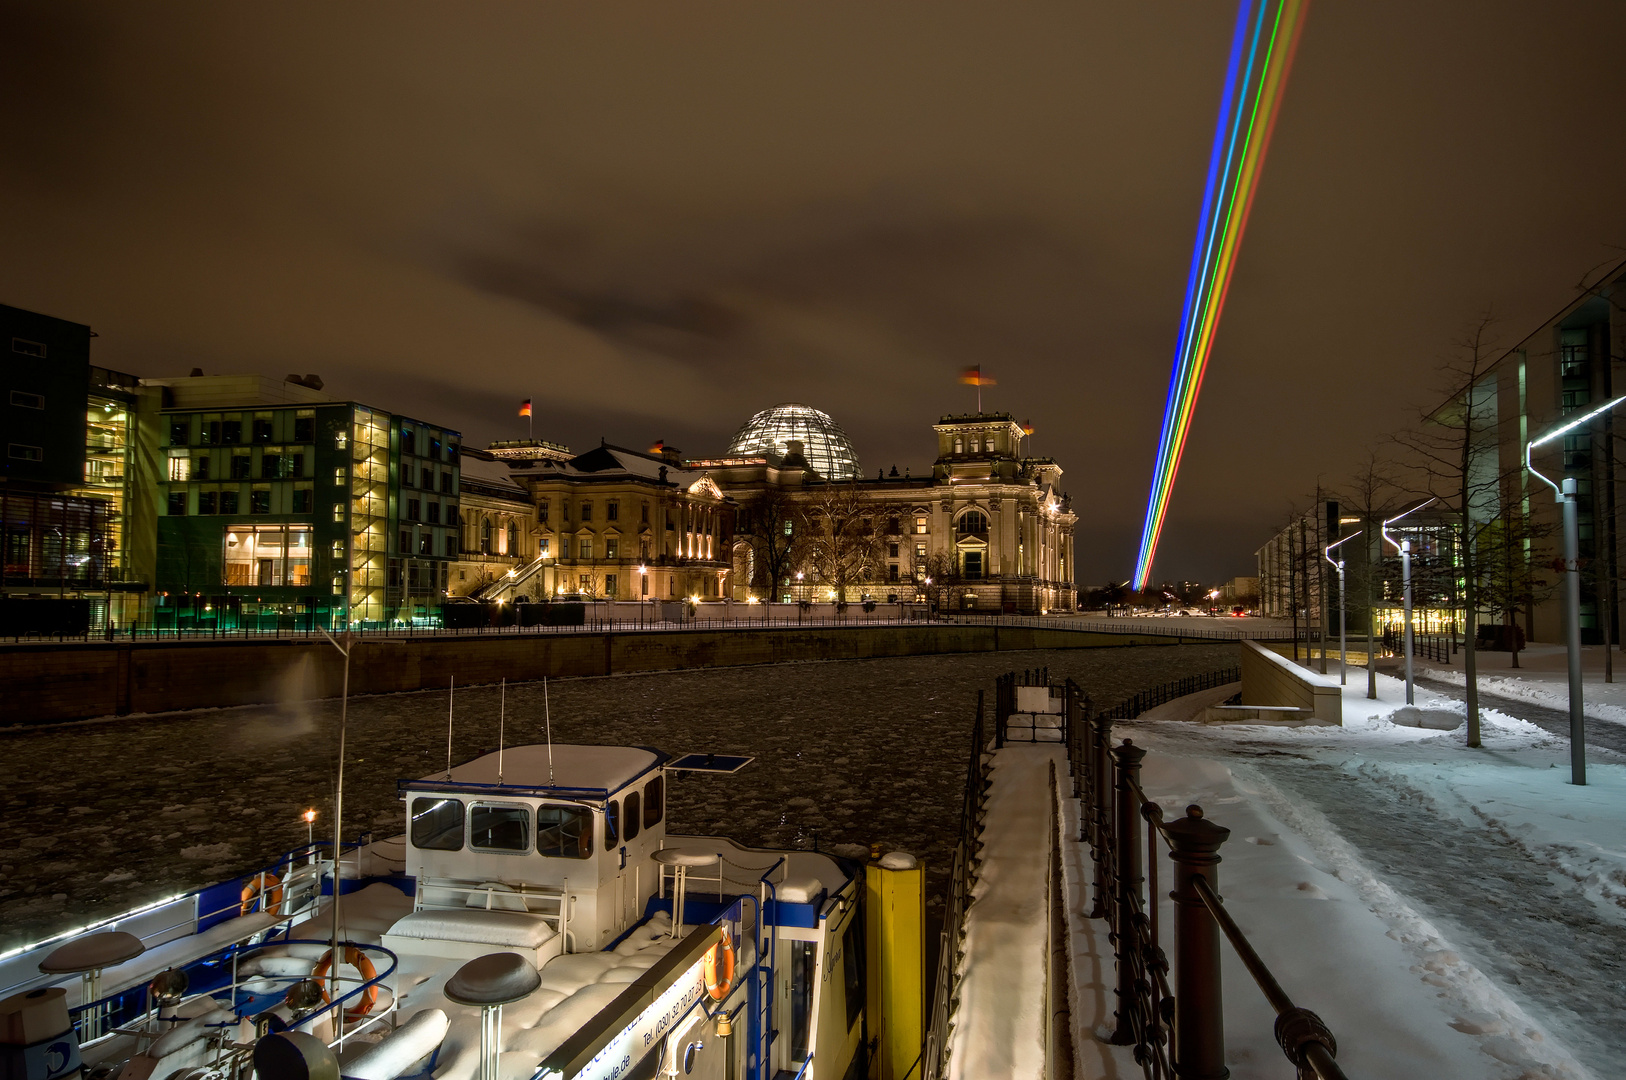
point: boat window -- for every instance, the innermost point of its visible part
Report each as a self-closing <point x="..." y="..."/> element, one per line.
<point x="499" y="827"/>
<point x="630" y="827"/>
<point x="564" y="832"/>
<point x="852" y="959"/>
<point x="804" y="979"/>
<point x="612" y="819"/>
<point x="437" y="824"/>
<point x="654" y="803"/>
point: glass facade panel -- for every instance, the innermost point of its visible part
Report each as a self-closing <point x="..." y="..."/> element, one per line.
<point x="824" y="443"/>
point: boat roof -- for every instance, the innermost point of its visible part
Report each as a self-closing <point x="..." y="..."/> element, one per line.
<point x="575" y="770"/>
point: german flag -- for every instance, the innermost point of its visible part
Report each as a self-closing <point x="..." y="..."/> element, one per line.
<point x="525" y="407"/>
<point x="1027" y="427"/>
<point x="973" y="376"/>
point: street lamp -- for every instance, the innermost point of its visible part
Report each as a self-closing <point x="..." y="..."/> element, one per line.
<point x="1343" y="653"/>
<point x="1572" y="586"/>
<point x="1404" y="547"/>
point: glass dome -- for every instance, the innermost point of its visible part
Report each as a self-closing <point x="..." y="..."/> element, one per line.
<point x="824" y="444"/>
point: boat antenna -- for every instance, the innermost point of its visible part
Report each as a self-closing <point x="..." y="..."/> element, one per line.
<point x="547" y="721"/>
<point x="450" y="694"/>
<point x="502" y="716"/>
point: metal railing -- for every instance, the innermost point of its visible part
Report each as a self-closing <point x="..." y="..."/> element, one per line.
<point x="1151" y="698"/>
<point x="1176" y="1028"/>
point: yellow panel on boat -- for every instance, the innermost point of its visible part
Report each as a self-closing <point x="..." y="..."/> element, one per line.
<point x="895" y="932"/>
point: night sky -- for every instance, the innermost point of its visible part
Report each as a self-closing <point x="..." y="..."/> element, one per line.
<point x="658" y="219"/>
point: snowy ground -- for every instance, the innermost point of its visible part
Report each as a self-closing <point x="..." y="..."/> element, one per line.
<point x="1449" y="912"/>
<point x="96" y="818"/>
<point x="1541" y="678"/>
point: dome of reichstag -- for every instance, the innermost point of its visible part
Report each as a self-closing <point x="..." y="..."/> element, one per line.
<point x="824" y="444"/>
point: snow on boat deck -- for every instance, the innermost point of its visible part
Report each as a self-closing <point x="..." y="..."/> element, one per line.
<point x="999" y="1026"/>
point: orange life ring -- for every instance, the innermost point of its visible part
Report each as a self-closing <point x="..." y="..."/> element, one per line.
<point x="267" y="883"/>
<point x="358" y="960"/>
<point x="717" y="967"/>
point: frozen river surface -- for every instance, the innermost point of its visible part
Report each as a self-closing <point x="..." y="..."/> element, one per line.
<point x="98" y="818"/>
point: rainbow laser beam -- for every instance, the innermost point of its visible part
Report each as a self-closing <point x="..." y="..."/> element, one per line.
<point x="1263" y="44"/>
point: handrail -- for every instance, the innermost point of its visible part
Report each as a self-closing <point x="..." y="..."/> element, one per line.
<point x="1302" y="1035"/>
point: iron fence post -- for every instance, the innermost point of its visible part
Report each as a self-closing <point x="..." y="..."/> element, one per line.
<point x="1127" y="859"/>
<point x="1100" y="808"/>
<point x="1194" y="844"/>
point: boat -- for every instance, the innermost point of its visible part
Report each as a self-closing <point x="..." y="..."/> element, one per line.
<point x="534" y="920"/>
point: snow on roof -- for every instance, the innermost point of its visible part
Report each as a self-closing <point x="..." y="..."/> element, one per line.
<point x="575" y="768"/>
<point x="490" y="472"/>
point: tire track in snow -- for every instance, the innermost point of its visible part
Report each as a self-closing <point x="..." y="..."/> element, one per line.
<point x="1550" y="960"/>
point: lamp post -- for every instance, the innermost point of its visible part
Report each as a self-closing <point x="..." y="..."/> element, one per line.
<point x="1572" y="585"/>
<point x="1404" y="547"/>
<point x="1343" y="651"/>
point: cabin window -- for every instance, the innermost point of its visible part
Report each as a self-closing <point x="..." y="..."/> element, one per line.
<point x="804" y="981"/>
<point x="564" y="832"/>
<point x="612" y="822"/>
<point x="437" y="824"/>
<point x="654" y="802"/>
<point x="499" y="827"/>
<point x="852" y="960"/>
<point x="631" y="819"/>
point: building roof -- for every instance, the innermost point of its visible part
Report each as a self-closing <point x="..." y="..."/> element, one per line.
<point x="828" y="450"/>
<point x="480" y="469"/>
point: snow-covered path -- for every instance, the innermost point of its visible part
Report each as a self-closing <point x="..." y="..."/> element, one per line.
<point x="1553" y="719"/>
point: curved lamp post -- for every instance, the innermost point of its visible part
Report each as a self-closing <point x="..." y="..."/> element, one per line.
<point x="1404" y="547"/>
<point x="1566" y="494"/>
<point x="1343" y="651"/>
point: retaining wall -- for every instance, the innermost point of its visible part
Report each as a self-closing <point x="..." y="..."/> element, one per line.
<point x="46" y="683"/>
<point x="1268" y="678"/>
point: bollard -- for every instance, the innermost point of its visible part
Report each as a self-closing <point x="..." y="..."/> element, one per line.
<point x="1194" y="844"/>
<point x="1100" y="810"/>
<point x="1127" y="855"/>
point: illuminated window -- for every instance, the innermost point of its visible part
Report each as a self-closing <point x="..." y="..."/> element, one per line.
<point x="338" y="511"/>
<point x="180" y="468"/>
<point x="586" y="549"/>
<point x="920" y="524"/>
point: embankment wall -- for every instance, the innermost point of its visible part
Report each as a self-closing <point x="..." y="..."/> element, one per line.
<point x="52" y="683"/>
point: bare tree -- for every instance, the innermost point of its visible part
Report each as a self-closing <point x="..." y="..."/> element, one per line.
<point x="1455" y="451"/>
<point x="772" y="520"/>
<point x="839" y="545"/>
<point x="1370" y="495"/>
<point x="1510" y="581"/>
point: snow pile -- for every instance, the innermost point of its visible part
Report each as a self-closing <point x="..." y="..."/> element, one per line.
<point x="999" y="1025"/>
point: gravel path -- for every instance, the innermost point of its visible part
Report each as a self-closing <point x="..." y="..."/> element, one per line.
<point x="97" y="818"/>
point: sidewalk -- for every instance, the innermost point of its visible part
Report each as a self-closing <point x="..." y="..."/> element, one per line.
<point x="1541" y="678"/>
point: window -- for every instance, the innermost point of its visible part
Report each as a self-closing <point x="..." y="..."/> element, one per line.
<point x="973" y="521"/>
<point x="406" y="542"/>
<point x="414" y="510"/>
<point x="446" y="483"/>
<point x="270" y="465"/>
<point x="804" y="983"/>
<point x="542" y="547"/>
<point x="200" y="468"/>
<point x="426" y="543"/>
<point x="499" y="827"/>
<point x="646" y="513"/>
<point x="304" y="498"/>
<point x="427" y="479"/>
<point x="207" y="501"/>
<point x="305" y="426"/>
<point x="434" y="513"/>
<point x="231" y="432"/>
<point x="437" y="824"/>
<point x="177" y="502"/>
<point x="654" y="802"/>
<point x="610" y="546"/>
<point x="920" y="524"/>
<point x="564" y="832"/>
<point x="542" y="512"/>
<point x="338" y="511"/>
<point x="513" y="538"/>
<point x="630" y="822"/>
<point x="180" y="468"/>
<point x="586" y="550"/>
<point x="262" y="427"/>
<point x="852" y="959"/>
<point x="959" y="445"/>
<point x="24" y="452"/>
<point x="406" y="478"/>
<point x="892" y="551"/>
<point x="892" y="572"/>
<point x="453" y="545"/>
<point x="587" y="510"/>
<point x="485" y="536"/>
<point x="409" y="441"/>
<point x="179" y="432"/>
<point x="338" y="476"/>
<point x="973" y="564"/>
<point x="28" y="348"/>
<point x="228" y="501"/>
<point x="434" y="449"/>
<point x="612" y="510"/>
<point x="609" y="585"/>
<point x="241" y="465"/>
<point x="295" y="465"/>
<point x="27" y="401"/>
<point x="920" y="551"/>
<point x="612" y="820"/>
<point x="259" y="500"/>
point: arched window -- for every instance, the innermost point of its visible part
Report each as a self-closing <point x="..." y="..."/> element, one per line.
<point x="513" y="538"/>
<point x="973" y="521"/>
<point x="485" y="536"/>
<point x="959" y="445"/>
